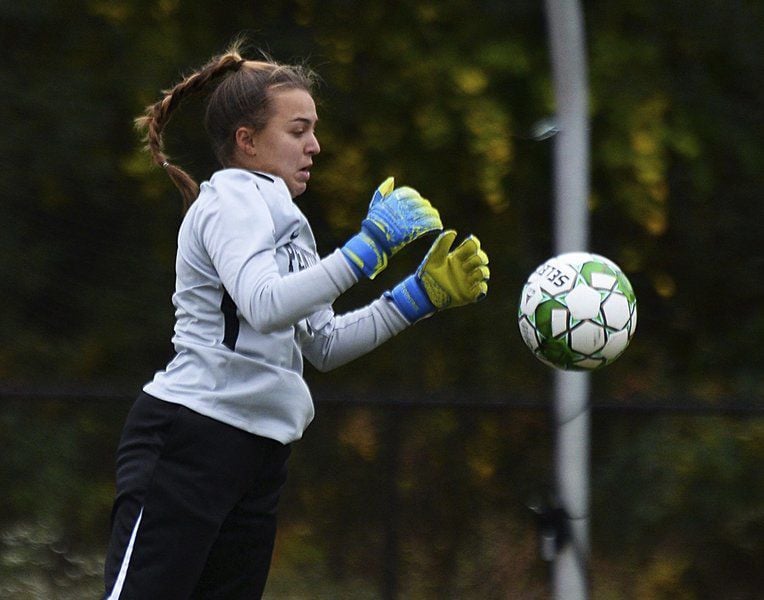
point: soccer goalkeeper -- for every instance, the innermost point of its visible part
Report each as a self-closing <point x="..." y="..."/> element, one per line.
<point x="202" y="457"/>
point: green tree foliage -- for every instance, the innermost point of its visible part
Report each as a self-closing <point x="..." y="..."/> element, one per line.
<point x="444" y="96"/>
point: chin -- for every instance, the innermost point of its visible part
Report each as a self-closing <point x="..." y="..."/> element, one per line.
<point x="297" y="189"/>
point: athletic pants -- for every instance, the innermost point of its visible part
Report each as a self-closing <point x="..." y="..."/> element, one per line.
<point x="195" y="510"/>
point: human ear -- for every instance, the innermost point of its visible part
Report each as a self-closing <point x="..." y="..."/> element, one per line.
<point x="245" y="140"/>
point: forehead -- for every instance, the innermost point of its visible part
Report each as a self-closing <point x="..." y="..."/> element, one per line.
<point x="293" y="104"/>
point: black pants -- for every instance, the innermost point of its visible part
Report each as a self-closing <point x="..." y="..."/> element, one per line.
<point x="195" y="509"/>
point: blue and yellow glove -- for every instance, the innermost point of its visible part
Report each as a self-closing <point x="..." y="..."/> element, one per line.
<point x="396" y="217"/>
<point x="445" y="279"/>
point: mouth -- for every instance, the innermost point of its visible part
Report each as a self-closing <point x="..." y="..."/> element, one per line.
<point x="304" y="173"/>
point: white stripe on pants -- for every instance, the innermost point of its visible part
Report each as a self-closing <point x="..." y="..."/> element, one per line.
<point x="117" y="590"/>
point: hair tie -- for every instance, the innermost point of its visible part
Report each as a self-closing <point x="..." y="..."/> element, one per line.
<point x="165" y="164"/>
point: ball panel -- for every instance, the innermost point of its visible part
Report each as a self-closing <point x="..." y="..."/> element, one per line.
<point x="587" y="338"/>
<point x="557" y="352"/>
<point x="531" y="298"/>
<point x="559" y="321"/>
<point x="528" y="332"/>
<point x="544" y="316"/>
<point x="554" y="277"/>
<point x="615" y="310"/>
<point x="594" y="270"/>
<point x="615" y="345"/>
<point x="624" y="285"/>
<point x="603" y="281"/>
<point x="583" y="302"/>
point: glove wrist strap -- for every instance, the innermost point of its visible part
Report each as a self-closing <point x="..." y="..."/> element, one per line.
<point x="365" y="253"/>
<point x="411" y="299"/>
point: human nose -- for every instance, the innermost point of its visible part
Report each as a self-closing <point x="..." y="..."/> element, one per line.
<point x="313" y="147"/>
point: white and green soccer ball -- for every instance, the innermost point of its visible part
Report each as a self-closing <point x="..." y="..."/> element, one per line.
<point x="577" y="311"/>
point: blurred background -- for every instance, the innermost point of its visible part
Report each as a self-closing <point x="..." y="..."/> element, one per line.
<point x="415" y="478"/>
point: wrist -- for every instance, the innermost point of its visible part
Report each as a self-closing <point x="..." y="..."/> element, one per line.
<point x="411" y="299"/>
<point x="365" y="253"/>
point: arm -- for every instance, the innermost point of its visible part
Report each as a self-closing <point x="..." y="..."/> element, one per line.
<point x="445" y="279"/>
<point x="332" y="341"/>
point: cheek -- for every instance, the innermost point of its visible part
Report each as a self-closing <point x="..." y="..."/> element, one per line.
<point x="281" y="152"/>
<point x="280" y="156"/>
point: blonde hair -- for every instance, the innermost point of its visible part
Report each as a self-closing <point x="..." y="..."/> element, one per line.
<point x="240" y="97"/>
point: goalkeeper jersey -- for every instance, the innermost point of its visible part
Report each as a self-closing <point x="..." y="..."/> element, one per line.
<point x="252" y="297"/>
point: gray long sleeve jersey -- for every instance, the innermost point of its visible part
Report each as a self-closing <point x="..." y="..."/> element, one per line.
<point x="252" y="297"/>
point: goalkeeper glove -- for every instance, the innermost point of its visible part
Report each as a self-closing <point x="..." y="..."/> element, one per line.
<point x="445" y="279"/>
<point x="396" y="217"/>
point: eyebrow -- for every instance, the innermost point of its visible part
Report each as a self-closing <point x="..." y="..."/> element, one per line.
<point x="304" y="120"/>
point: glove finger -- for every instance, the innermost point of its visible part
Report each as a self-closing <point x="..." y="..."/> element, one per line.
<point x="469" y="247"/>
<point x="481" y="273"/>
<point x="440" y="247"/>
<point x="384" y="190"/>
<point x="413" y="204"/>
<point x="415" y="208"/>
<point x="480" y="291"/>
<point x="423" y="229"/>
<point x="475" y="261"/>
<point x="427" y="218"/>
<point x="404" y="195"/>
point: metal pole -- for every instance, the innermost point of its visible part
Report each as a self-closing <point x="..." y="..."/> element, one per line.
<point x="571" y="159"/>
<point x="570" y="567"/>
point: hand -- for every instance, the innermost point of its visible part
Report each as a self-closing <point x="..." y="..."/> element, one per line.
<point x="396" y="217"/>
<point x="445" y="279"/>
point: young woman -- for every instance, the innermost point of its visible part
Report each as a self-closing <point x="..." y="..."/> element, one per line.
<point x="202" y="458"/>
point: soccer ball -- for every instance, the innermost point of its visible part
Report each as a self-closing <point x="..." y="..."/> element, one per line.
<point x="577" y="312"/>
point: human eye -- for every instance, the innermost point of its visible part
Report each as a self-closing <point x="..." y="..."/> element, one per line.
<point x="302" y="127"/>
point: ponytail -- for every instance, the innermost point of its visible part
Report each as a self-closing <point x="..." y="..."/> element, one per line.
<point x="157" y="116"/>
